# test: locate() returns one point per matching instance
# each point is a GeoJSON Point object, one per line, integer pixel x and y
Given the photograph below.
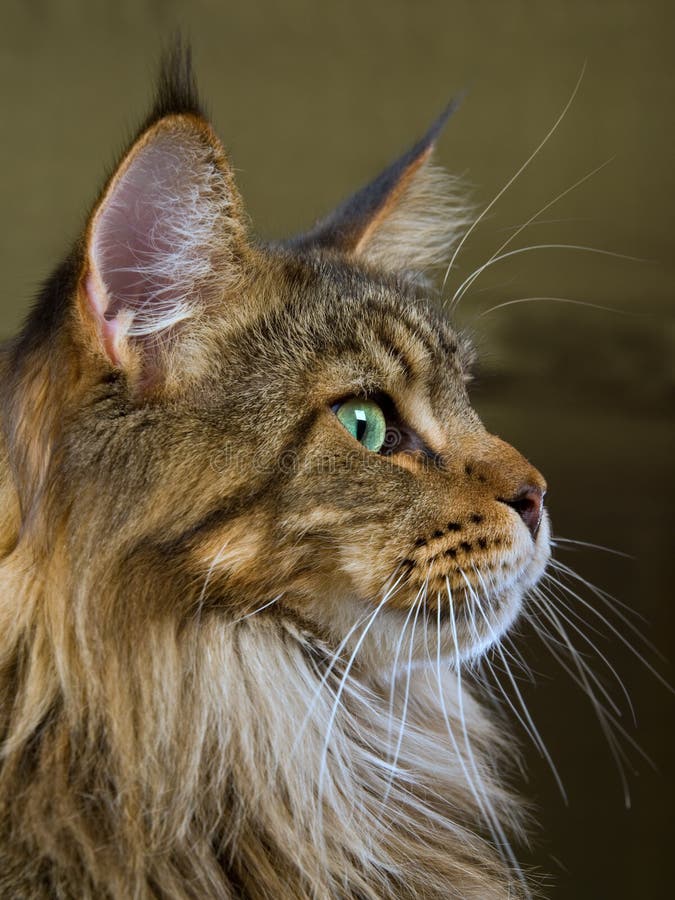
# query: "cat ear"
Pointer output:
{"type": "Point", "coordinates": [405, 219]}
{"type": "Point", "coordinates": [164, 240]}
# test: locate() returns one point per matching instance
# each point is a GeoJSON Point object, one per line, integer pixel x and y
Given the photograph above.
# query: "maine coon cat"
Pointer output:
{"type": "Point", "coordinates": [251, 528]}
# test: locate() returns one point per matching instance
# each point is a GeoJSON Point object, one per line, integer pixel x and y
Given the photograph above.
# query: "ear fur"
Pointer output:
{"type": "Point", "coordinates": [405, 219]}
{"type": "Point", "coordinates": [164, 240]}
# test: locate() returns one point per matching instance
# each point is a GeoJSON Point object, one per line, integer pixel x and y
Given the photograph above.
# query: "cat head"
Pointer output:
{"type": "Point", "coordinates": [203, 425]}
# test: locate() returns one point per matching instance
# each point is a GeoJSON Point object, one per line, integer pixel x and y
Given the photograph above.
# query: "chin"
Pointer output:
{"type": "Point", "coordinates": [505, 602]}
{"type": "Point", "coordinates": [458, 626]}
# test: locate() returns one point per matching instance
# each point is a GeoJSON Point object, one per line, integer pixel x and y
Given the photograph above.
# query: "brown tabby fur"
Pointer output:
{"type": "Point", "coordinates": [188, 534]}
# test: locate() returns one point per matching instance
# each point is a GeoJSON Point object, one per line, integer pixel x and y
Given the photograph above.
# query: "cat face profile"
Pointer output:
{"type": "Point", "coordinates": [211, 374]}
{"type": "Point", "coordinates": [202, 431]}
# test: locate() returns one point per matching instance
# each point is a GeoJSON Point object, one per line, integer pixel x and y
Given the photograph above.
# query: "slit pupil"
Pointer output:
{"type": "Point", "coordinates": [361, 427]}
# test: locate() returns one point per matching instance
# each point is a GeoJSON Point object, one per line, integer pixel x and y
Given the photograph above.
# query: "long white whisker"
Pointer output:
{"type": "Point", "coordinates": [559, 220]}
{"type": "Point", "coordinates": [259, 609]}
{"type": "Point", "coordinates": [569, 300]}
{"type": "Point", "coordinates": [511, 704]}
{"type": "Point", "coordinates": [399, 645]}
{"type": "Point", "coordinates": [466, 284]}
{"type": "Point", "coordinates": [513, 178]}
{"type": "Point", "coordinates": [563, 540]}
{"type": "Point", "coordinates": [514, 654]}
{"type": "Point", "coordinates": [487, 681]}
{"type": "Point", "coordinates": [614, 631]}
{"type": "Point", "coordinates": [611, 719]}
{"type": "Point", "coordinates": [612, 603]}
{"type": "Point", "coordinates": [547, 609]}
{"type": "Point", "coordinates": [602, 715]}
{"type": "Point", "coordinates": [367, 618]}
{"type": "Point", "coordinates": [338, 695]}
{"type": "Point", "coordinates": [404, 711]}
{"type": "Point", "coordinates": [517, 657]}
{"type": "Point", "coordinates": [545, 635]}
{"type": "Point", "coordinates": [504, 842]}
{"type": "Point", "coordinates": [561, 603]}
{"type": "Point", "coordinates": [532, 730]}
{"type": "Point", "coordinates": [535, 216]}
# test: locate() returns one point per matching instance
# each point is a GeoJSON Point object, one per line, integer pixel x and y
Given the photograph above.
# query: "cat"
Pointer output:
{"type": "Point", "coordinates": [251, 529]}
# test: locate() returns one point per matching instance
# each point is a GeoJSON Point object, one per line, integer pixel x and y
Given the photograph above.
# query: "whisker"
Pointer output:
{"type": "Point", "coordinates": [568, 300]}
{"type": "Point", "coordinates": [558, 540]}
{"type": "Point", "coordinates": [561, 220]}
{"type": "Point", "coordinates": [503, 842]}
{"type": "Point", "coordinates": [545, 635]}
{"type": "Point", "coordinates": [336, 658]}
{"type": "Point", "coordinates": [486, 681]}
{"type": "Point", "coordinates": [514, 654]}
{"type": "Point", "coordinates": [582, 248]}
{"type": "Point", "coordinates": [404, 711]}
{"type": "Point", "coordinates": [399, 645]}
{"type": "Point", "coordinates": [510, 703]}
{"type": "Point", "coordinates": [532, 731]}
{"type": "Point", "coordinates": [535, 216]}
{"type": "Point", "coordinates": [601, 714]}
{"type": "Point", "coordinates": [604, 717]}
{"type": "Point", "coordinates": [517, 658]}
{"type": "Point", "coordinates": [338, 695]}
{"type": "Point", "coordinates": [513, 178]}
{"type": "Point", "coordinates": [597, 650]}
{"type": "Point", "coordinates": [611, 602]}
{"type": "Point", "coordinates": [614, 631]}
{"type": "Point", "coordinates": [259, 609]}
{"type": "Point", "coordinates": [610, 718]}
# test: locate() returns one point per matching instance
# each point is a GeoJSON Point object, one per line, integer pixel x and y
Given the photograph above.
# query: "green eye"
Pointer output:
{"type": "Point", "coordinates": [365, 421]}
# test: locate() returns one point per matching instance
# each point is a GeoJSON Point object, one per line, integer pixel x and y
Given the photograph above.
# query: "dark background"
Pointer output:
{"type": "Point", "coordinates": [311, 99]}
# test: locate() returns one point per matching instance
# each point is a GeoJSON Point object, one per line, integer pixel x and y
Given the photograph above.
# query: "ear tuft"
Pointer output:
{"type": "Point", "coordinates": [406, 219]}
{"type": "Point", "coordinates": [176, 92]}
{"type": "Point", "coordinates": [166, 238]}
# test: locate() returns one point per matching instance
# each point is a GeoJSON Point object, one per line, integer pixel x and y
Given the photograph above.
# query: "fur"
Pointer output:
{"type": "Point", "coordinates": [232, 639]}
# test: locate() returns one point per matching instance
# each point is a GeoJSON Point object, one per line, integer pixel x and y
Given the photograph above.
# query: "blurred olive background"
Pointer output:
{"type": "Point", "coordinates": [311, 99]}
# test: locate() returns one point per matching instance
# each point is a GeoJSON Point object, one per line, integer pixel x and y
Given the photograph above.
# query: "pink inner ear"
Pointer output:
{"type": "Point", "coordinates": [152, 242]}
{"type": "Point", "coordinates": [113, 331]}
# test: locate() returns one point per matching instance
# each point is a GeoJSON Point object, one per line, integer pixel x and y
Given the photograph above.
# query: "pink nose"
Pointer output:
{"type": "Point", "coordinates": [529, 504]}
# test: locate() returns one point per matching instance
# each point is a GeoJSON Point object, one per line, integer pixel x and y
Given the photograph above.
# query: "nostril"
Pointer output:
{"type": "Point", "coordinates": [529, 504]}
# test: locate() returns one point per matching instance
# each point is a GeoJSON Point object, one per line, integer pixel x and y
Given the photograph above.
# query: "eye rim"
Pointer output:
{"type": "Point", "coordinates": [399, 436]}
